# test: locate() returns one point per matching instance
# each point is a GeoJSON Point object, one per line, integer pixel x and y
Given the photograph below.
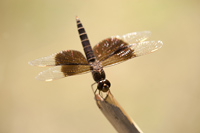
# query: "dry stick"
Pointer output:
{"type": "Point", "coordinates": [116, 115]}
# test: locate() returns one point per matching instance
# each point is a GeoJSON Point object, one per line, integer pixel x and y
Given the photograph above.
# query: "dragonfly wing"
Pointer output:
{"type": "Point", "coordinates": [67, 63]}
{"type": "Point", "coordinates": [61, 58]}
{"type": "Point", "coordinates": [118, 49]}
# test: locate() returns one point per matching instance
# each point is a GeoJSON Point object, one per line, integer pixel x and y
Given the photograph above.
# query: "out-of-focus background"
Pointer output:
{"type": "Point", "coordinates": [160, 91]}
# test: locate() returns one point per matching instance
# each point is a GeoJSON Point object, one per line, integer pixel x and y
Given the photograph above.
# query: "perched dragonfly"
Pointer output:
{"type": "Point", "coordinates": [110, 51]}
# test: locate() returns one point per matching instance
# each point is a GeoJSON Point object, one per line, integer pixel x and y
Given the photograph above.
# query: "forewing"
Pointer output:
{"type": "Point", "coordinates": [118, 49]}
{"type": "Point", "coordinates": [62, 71]}
{"type": "Point", "coordinates": [67, 63]}
{"type": "Point", "coordinates": [69, 57]}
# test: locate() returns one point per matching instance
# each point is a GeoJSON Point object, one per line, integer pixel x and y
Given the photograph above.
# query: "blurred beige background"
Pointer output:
{"type": "Point", "coordinates": [160, 91]}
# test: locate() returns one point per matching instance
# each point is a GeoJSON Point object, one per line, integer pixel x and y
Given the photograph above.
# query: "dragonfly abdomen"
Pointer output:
{"type": "Point", "coordinates": [85, 42]}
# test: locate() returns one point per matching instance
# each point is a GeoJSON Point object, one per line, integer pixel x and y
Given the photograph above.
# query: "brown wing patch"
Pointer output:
{"type": "Point", "coordinates": [70, 57]}
{"type": "Point", "coordinates": [113, 50]}
{"type": "Point", "coordinates": [69, 70]}
{"type": "Point", "coordinates": [73, 62]}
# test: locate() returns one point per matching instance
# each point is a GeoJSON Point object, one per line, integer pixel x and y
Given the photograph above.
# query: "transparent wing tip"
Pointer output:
{"type": "Point", "coordinates": [158, 45]}
{"type": "Point", "coordinates": [146, 47]}
{"type": "Point", "coordinates": [36, 62]}
{"type": "Point", "coordinates": [43, 77]}
{"type": "Point", "coordinates": [31, 63]}
{"type": "Point", "coordinates": [50, 74]}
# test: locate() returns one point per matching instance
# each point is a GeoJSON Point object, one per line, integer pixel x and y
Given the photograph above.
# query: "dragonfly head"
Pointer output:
{"type": "Point", "coordinates": [103, 85]}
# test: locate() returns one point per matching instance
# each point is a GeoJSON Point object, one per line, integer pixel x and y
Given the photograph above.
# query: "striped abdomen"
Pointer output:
{"type": "Point", "coordinates": [85, 42]}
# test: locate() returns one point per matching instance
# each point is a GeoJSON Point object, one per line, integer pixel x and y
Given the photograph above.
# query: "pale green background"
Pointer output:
{"type": "Point", "coordinates": [160, 91]}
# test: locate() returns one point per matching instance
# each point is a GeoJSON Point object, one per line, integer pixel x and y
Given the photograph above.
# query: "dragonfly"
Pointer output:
{"type": "Point", "coordinates": [108, 52]}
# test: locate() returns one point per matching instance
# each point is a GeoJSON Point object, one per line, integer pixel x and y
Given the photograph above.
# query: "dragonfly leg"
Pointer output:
{"type": "Point", "coordinates": [93, 88]}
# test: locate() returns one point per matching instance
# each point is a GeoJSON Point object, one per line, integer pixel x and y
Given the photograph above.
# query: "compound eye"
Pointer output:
{"type": "Point", "coordinates": [107, 83]}
{"type": "Point", "coordinates": [100, 85]}
{"type": "Point", "coordinates": [106, 86]}
{"type": "Point", "coordinates": [103, 85]}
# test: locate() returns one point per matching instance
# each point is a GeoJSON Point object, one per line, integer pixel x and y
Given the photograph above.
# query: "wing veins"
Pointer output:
{"type": "Point", "coordinates": [71, 64]}
{"type": "Point", "coordinates": [118, 50]}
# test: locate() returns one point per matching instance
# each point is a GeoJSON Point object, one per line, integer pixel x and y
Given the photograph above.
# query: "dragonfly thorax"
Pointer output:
{"type": "Point", "coordinates": [97, 71]}
{"type": "Point", "coordinates": [99, 76]}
